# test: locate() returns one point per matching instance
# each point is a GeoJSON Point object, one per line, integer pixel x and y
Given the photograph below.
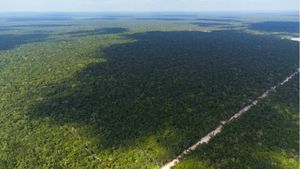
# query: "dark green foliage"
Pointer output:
{"type": "Point", "coordinates": [177, 15]}
{"type": "Point", "coordinates": [266, 137]}
{"type": "Point", "coordinates": [219, 20]}
{"type": "Point", "coordinates": [109, 18]}
{"type": "Point", "coordinates": [291, 27]}
{"type": "Point", "coordinates": [143, 83]}
{"type": "Point", "coordinates": [9, 41]}
{"type": "Point", "coordinates": [40, 25]}
{"type": "Point", "coordinates": [209, 24]}
{"type": "Point", "coordinates": [37, 19]}
{"type": "Point", "coordinates": [3, 28]}
{"type": "Point", "coordinates": [98, 31]}
{"type": "Point", "coordinates": [161, 19]}
{"type": "Point", "coordinates": [169, 80]}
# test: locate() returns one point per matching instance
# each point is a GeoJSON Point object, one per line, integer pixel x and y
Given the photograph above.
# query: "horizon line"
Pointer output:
{"type": "Point", "coordinates": [146, 11]}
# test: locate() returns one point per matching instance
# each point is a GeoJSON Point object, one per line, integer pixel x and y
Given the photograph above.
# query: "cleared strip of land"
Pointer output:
{"type": "Point", "coordinates": [217, 130]}
{"type": "Point", "coordinates": [296, 39]}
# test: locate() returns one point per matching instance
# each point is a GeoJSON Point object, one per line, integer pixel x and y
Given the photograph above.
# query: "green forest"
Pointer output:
{"type": "Point", "coordinates": [134, 91]}
{"type": "Point", "coordinates": [266, 137]}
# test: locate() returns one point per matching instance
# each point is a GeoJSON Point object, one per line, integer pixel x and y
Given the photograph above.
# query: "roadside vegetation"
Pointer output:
{"type": "Point", "coordinates": [266, 137]}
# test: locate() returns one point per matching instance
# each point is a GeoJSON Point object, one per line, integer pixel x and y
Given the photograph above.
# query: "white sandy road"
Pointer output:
{"type": "Point", "coordinates": [296, 39]}
{"type": "Point", "coordinates": [217, 130]}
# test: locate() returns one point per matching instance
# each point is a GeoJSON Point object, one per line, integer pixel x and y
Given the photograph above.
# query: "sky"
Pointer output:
{"type": "Point", "coordinates": [146, 5]}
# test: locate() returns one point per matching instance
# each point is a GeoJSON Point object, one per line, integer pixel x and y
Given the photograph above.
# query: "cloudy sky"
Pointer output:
{"type": "Point", "coordinates": [148, 5]}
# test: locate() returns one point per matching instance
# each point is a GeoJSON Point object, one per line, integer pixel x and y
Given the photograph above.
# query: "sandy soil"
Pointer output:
{"type": "Point", "coordinates": [296, 39]}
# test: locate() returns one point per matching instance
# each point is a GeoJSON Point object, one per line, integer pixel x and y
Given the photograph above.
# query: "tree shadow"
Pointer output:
{"type": "Point", "coordinates": [10, 41]}
{"type": "Point", "coordinates": [276, 26]}
{"type": "Point", "coordinates": [184, 81]}
{"type": "Point", "coordinates": [219, 20]}
{"type": "Point", "coordinates": [38, 18]}
{"type": "Point", "coordinates": [101, 31]}
{"type": "Point", "coordinates": [161, 19]}
{"type": "Point", "coordinates": [210, 24]}
{"type": "Point", "coordinates": [40, 25]}
{"type": "Point", "coordinates": [4, 28]}
{"type": "Point", "coordinates": [266, 137]}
